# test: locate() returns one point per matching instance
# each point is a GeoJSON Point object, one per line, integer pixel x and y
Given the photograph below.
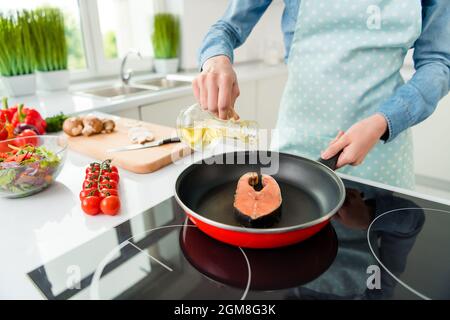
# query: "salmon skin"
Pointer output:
{"type": "Point", "coordinates": [257, 201]}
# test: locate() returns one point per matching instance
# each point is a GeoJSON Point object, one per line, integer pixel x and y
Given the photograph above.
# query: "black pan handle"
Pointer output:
{"type": "Point", "coordinates": [332, 162]}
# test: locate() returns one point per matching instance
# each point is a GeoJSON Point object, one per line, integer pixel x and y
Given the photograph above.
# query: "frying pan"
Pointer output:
{"type": "Point", "coordinates": [311, 194]}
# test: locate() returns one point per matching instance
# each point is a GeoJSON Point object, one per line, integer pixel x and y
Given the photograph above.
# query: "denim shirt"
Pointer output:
{"type": "Point", "coordinates": [412, 103]}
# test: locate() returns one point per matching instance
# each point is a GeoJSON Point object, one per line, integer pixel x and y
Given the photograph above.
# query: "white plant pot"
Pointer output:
{"type": "Point", "coordinates": [17, 86]}
{"type": "Point", "coordinates": [166, 66]}
{"type": "Point", "coordinates": [52, 80]}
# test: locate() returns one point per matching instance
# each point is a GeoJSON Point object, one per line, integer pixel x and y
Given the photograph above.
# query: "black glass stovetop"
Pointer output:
{"type": "Point", "coordinates": [381, 245]}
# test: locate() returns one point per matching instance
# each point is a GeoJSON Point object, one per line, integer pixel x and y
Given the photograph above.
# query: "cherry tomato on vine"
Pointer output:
{"type": "Point", "coordinates": [110, 205]}
{"type": "Point", "coordinates": [91, 177]}
{"type": "Point", "coordinates": [89, 193]}
{"type": "Point", "coordinates": [108, 192]}
{"type": "Point", "coordinates": [112, 169]}
{"type": "Point", "coordinates": [100, 194]}
{"type": "Point", "coordinates": [91, 205]}
{"type": "Point", "coordinates": [89, 184]}
{"type": "Point", "coordinates": [111, 176]}
{"type": "Point", "coordinates": [93, 168]}
{"type": "Point", "coordinates": [105, 184]}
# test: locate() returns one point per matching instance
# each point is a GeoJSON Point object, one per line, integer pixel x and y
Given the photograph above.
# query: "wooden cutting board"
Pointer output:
{"type": "Point", "coordinates": [138, 161]}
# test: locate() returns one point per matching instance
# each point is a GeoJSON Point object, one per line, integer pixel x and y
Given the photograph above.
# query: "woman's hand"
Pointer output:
{"type": "Point", "coordinates": [357, 141]}
{"type": "Point", "coordinates": [216, 87]}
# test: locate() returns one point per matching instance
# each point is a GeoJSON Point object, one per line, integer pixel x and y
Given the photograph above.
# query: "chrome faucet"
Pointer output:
{"type": "Point", "coordinates": [125, 75]}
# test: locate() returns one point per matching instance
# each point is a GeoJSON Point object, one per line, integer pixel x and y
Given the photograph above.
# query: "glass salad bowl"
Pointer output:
{"type": "Point", "coordinates": [29, 165]}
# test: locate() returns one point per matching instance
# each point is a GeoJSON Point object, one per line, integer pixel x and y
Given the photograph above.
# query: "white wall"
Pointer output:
{"type": "Point", "coordinates": [432, 145]}
{"type": "Point", "coordinates": [199, 15]}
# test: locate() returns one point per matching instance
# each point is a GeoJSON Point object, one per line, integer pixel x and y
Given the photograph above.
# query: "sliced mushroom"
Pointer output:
{"type": "Point", "coordinates": [140, 135]}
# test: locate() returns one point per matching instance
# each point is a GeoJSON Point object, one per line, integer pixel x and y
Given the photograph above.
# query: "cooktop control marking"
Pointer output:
{"type": "Point", "coordinates": [150, 256]}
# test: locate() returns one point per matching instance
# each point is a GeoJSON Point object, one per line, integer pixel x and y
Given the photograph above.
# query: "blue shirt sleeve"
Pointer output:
{"type": "Point", "coordinates": [417, 99]}
{"type": "Point", "coordinates": [232, 29]}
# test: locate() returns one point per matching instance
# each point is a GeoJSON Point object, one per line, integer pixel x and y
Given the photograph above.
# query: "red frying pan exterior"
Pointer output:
{"type": "Point", "coordinates": [257, 240]}
{"type": "Point", "coordinates": [266, 237]}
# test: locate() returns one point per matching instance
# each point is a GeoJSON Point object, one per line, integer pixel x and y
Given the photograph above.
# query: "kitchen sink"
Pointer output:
{"type": "Point", "coordinates": [137, 87]}
{"type": "Point", "coordinates": [162, 83]}
{"type": "Point", "coordinates": [115, 92]}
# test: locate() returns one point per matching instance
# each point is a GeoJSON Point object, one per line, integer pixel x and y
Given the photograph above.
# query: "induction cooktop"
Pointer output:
{"type": "Point", "coordinates": [381, 245]}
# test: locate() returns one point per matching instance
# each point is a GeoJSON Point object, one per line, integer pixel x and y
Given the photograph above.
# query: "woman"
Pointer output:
{"type": "Point", "coordinates": [344, 58]}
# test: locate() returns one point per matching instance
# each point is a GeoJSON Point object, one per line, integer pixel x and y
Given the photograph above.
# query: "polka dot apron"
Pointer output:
{"type": "Point", "coordinates": [344, 62]}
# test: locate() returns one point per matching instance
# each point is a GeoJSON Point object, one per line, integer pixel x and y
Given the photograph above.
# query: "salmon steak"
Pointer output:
{"type": "Point", "coordinates": [257, 201]}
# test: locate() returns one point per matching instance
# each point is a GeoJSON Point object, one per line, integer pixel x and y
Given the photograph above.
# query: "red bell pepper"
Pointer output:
{"type": "Point", "coordinates": [3, 132]}
{"type": "Point", "coordinates": [6, 116]}
{"type": "Point", "coordinates": [6, 113]}
{"type": "Point", "coordinates": [29, 116]}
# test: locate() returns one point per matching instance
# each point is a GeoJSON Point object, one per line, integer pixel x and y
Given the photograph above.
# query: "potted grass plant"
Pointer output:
{"type": "Point", "coordinates": [166, 42]}
{"type": "Point", "coordinates": [51, 49]}
{"type": "Point", "coordinates": [17, 58]}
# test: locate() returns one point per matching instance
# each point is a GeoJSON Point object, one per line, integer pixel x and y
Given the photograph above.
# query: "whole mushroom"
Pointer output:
{"type": "Point", "coordinates": [92, 125]}
{"type": "Point", "coordinates": [108, 125]}
{"type": "Point", "coordinates": [73, 126]}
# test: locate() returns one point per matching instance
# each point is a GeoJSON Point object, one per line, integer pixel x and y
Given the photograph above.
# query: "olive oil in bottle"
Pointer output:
{"type": "Point", "coordinates": [202, 130]}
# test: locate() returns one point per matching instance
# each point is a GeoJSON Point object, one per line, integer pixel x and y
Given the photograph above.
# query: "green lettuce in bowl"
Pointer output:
{"type": "Point", "coordinates": [26, 170]}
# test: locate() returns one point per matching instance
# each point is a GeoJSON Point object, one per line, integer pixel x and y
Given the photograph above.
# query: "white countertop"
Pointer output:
{"type": "Point", "coordinates": [39, 228]}
{"type": "Point", "coordinates": [70, 102]}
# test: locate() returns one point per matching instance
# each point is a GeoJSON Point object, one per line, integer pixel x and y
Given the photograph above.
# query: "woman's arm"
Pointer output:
{"type": "Point", "coordinates": [216, 87]}
{"type": "Point", "coordinates": [232, 29]}
{"type": "Point", "coordinates": [416, 100]}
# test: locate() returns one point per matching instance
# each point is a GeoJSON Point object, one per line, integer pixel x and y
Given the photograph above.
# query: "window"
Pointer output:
{"type": "Point", "coordinates": [122, 25]}
{"type": "Point", "coordinates": [125, 25]}
{"type": "Point", "coordinates": [97, 42]}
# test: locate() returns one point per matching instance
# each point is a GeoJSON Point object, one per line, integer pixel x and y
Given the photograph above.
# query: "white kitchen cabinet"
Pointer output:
{"type": "Point", "coordinates": [269, 92]}
{"type": "Point", "coordinates": [132, 113]}
{"type": "Point", "coordinates": [166, 112]}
